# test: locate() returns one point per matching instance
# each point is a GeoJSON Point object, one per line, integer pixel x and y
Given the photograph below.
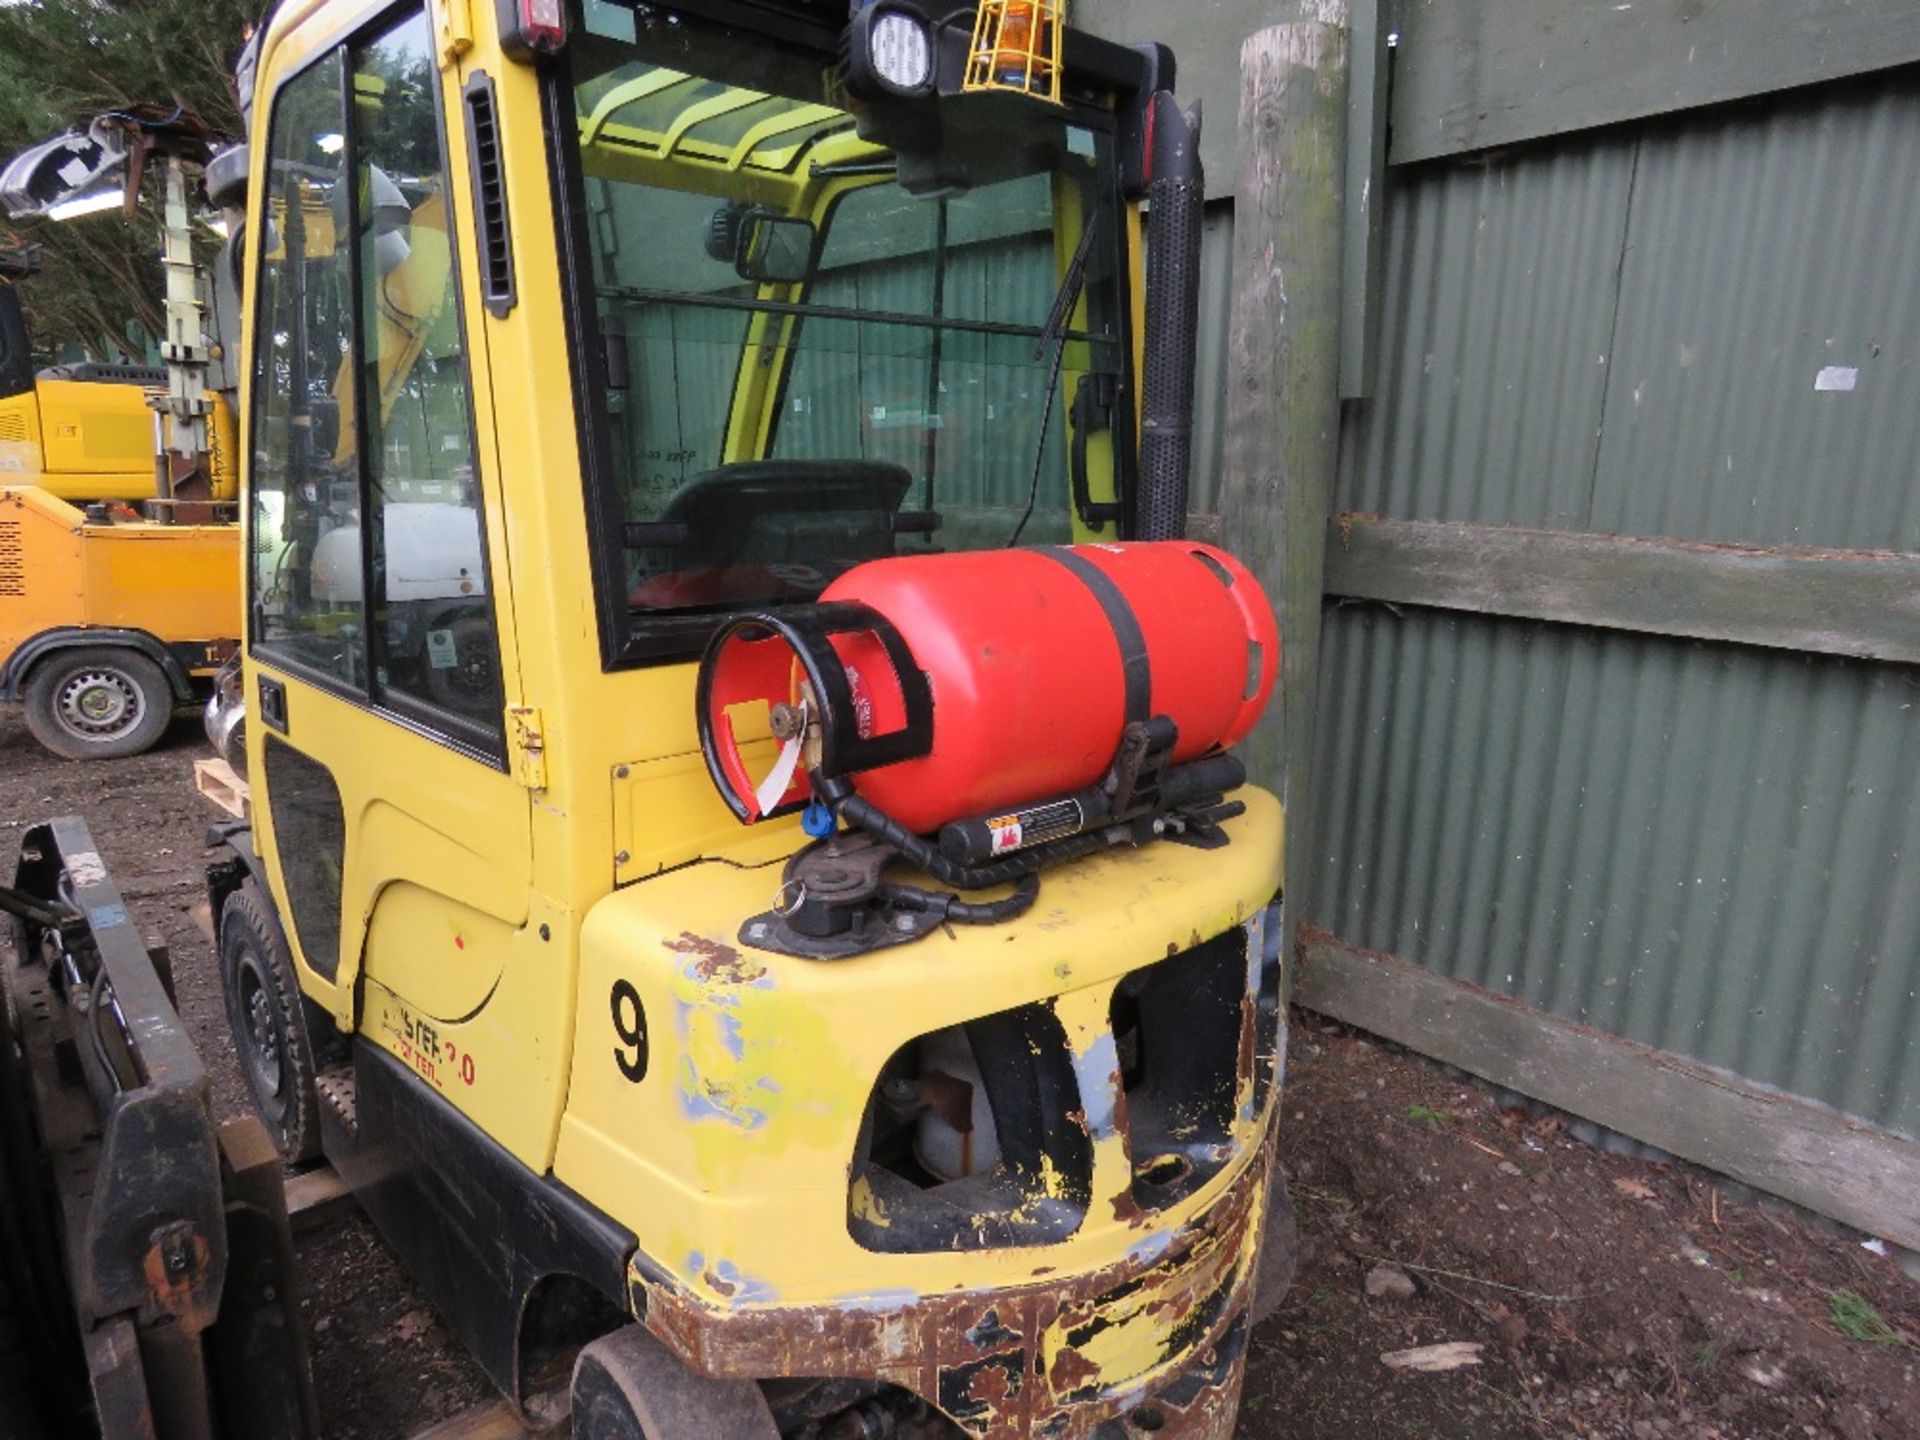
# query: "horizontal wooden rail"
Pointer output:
{"type": "Point", "coordinates": [1867, 1177]}
{"type": "Point", "coordinates": [1860, 603]}
{"type": "Point", "coordinates": [1478, 73]}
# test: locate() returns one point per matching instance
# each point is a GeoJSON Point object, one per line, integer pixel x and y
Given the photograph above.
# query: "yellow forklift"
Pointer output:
{"type": "Point", "coordinates": [119, 542]}
{"type": "Point", "coordinates": [748, 879]}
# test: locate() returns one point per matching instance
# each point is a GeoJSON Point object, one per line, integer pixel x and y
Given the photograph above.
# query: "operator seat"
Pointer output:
{"type": "Point", "coordinates": [759, 528]}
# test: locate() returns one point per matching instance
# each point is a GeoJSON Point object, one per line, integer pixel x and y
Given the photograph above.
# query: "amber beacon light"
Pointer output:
{"type": "Point", "coordinates": [1016, 48]}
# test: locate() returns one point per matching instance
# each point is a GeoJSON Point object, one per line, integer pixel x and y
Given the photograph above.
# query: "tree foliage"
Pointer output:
{"type": "Point", "coordinates": [63, 62]}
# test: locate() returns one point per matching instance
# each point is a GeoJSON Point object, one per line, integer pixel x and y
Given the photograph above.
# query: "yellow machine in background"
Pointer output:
{"type": "Point", "coordinates": [86, 433]}
{"type": "Point", "coordinates": [740, 302]}
{"type": "Point", "coordinates": [111, 616]}
{"type": "Point", "coordinates": [106, 627]}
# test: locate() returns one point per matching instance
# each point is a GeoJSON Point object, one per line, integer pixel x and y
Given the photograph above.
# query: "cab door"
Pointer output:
{"type": "Point", "coordinates": [395, 833]}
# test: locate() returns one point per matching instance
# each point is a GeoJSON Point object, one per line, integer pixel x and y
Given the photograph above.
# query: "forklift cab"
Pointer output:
{"type": "Point", "coordinates": [724, 300]}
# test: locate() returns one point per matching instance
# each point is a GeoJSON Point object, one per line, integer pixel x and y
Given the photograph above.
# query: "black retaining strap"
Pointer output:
{"type": "Point", "coordinates": [1138, 669]}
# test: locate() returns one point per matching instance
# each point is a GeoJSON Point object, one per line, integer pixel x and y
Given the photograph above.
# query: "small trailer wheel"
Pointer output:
{"type": "Point", "coordinates": [97, 702]}
{"type": "Point", "coordinates": [628, 1386]}
{"type": "Point", "coordinates": [268, 1022]}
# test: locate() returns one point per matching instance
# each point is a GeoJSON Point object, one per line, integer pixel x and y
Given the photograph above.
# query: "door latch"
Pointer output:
{"type": "Point", "coordinates": [527, 741]}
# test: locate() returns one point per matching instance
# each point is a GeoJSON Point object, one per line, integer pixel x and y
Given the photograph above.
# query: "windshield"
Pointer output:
{"type": "Point", "coordinates": [808, 354]}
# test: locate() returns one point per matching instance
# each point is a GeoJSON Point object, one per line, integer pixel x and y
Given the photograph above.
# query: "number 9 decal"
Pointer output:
{"type": "Point", "coordinates": [630, 1024]}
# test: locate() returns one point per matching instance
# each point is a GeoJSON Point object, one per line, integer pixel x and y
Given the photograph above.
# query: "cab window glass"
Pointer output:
{"type": "Point", "coordinates": [814, 351]}
{"type": "Point", "coordinates": [432, 627]}
{"type": "Point", "coordinates": [369, 547]}
{"type": "Point", "coordinates": [959, 409]}
{"type": "Point", "coordinates": [307, 592]}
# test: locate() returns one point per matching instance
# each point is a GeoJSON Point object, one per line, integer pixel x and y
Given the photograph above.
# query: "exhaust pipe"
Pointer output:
{"type": "Point", "coordinates": [1177, 194]}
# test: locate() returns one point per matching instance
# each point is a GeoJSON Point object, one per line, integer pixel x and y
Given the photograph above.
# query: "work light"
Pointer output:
{"type": "Point", "coordinates": [902, 50]}
{"type": "Point", "coordinates": [890, 52]}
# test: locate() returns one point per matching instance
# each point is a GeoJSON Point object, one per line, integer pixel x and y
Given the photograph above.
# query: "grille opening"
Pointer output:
{"type": "Point", "coordinates": [1177, 1026]}
{"type": "Point", "coordinates": [973, 1139]}
{"type": "Point", "coordinates": [489, 196]}
{"type": "Point", "coordinates": [13, 560]}
{"type": "Point", "coordinates": [1163, 1170]}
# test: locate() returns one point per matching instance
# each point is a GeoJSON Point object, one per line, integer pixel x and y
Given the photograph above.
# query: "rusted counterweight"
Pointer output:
{"type": "Point", "coordinates": [1086, 1263]}
{"type": "Point", "coordinates": [1060, 1358]}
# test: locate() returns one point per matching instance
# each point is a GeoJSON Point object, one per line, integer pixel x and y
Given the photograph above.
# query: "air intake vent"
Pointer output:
{"type": "Point", "coordinates": [13, 426]}
{"type": "Point", "coordinates": [13, 560]}
{"type": "Point", "coordinates": [489, 195]}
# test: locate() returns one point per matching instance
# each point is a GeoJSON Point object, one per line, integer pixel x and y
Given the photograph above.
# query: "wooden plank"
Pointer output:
{"type": "Point", "coordinates": [1816, 1157]}
{"type": "Point", "coordinates": [1471, 74]}
{"type": "Point", "coordinates": [1860, 603]}
{"type": "Point", "coordinates": [316, 1198]}
{"type": "Point", "coordinates": [1363, 237]}
{"type": "Point", "coordinates": [490, 1420]}
{"type": "Point", "coordinates": [215, 779]}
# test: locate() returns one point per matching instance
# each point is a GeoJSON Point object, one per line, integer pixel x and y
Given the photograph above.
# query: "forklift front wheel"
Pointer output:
{"type": "Point", "coordinates": [269, 1026]}
{"type": "Point", "coordinates": [628, 1386]}
{"type": "Point", "coordinates": [97, 702]}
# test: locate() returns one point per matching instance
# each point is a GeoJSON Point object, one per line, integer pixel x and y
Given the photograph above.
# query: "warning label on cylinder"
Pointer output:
{"type": "Point", "coordinates": [1007, 833]}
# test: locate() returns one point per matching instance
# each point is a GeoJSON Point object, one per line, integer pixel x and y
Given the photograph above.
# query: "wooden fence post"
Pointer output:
{"type": "Point", "coordinates": [1283, 407]}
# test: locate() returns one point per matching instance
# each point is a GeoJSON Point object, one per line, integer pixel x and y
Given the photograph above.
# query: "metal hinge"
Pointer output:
{"type": "Point", "coordinates": [527, 742]}
{"type": "Point", "coordinates": [456, 30]}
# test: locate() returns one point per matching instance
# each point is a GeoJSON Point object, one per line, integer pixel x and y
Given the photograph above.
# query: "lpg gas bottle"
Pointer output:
{"type": "Point", "coordinates": [948, 686]}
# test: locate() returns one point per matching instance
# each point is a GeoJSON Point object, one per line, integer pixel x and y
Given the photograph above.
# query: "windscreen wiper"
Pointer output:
{"type": "Point", "coordinates": [1054, 333]}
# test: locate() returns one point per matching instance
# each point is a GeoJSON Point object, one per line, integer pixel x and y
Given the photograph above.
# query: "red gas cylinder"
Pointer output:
{"type": "Point", "coordinates": [994, 679]}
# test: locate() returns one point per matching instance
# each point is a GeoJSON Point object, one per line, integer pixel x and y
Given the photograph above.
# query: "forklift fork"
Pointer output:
{"type": "Point", "coordinates": [153, 1242]}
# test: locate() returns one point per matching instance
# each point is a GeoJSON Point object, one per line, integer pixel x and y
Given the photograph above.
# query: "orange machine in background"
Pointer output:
{"type": "Point", "coordinates": [105, 627]}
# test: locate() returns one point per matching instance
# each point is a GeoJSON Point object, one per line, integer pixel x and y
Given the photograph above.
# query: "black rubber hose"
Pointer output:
{"type": "Point", "coordinates": [965, 912]}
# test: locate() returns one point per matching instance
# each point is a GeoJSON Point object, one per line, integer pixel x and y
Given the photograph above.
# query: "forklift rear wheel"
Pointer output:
{"type": "Point", "coordinates": [98, 702]}
{"type": "Point", "coordinates": [269, 1026]}
{"type": "Point", "coordinates": [628, 1386]}
{"type": "Point", "coordinates": [1279, 1251]}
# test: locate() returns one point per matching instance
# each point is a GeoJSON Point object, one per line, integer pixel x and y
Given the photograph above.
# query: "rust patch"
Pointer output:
{"type": "Point", "coordinates": [1012, 1364]}
{"type": "Point", "coordinates": [1072, 1372]}
{"type": "Point", "coordinates": [721, 964]}
{"type": "Point", "coordinates": [1127, 1210]}
{"type": "Point", "coordinates": [176, 1267]}
{"type": "Point", "coordinates": [1248, 1057]}
{"type": "Point", "coordinates": [991, 1386]}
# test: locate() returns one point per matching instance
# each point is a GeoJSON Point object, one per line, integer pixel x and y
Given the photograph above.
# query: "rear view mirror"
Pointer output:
{"type": "Point", "coordinates": [774, 249]}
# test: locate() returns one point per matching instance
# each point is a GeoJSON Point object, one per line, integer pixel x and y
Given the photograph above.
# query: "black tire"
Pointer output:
{"type": "Point", "coordinates": [269, 1025]}
{"type": "Point", "coordinates": [97, 702]}
{"type": "Point", "coordinates": [469, 685]}
{"type": "Point", "coordinates": [1279, 1251]}
{"type": "Point", "coordinates": [628, 1386]}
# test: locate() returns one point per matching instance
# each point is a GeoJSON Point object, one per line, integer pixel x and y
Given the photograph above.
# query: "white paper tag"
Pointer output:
{"type": "Point", "coordinates": [775, 785]}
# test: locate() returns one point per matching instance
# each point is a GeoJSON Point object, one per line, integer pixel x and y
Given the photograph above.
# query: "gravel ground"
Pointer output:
{"type": "Point", "coordinates": [1606, 1297]}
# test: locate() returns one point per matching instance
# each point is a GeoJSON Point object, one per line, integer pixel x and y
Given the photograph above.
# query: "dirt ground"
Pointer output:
{"type": "Point", "coordinates": [1608, 1297]}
